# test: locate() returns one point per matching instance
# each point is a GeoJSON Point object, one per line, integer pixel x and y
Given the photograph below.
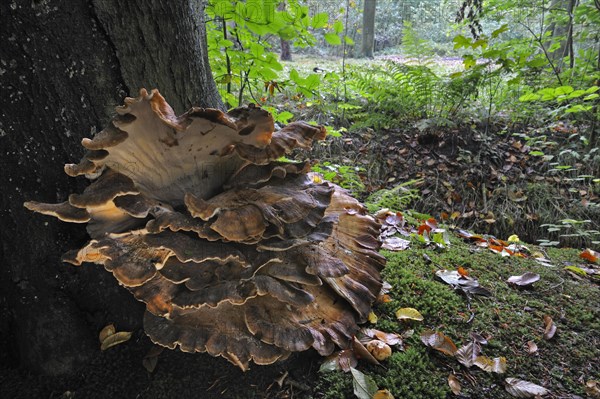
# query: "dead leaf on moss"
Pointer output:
{"type": "Point", "coordinates": [590, 255]}
{"type": "Point", "coordinates": [592, 389]}
{"type": "Point", "coordinates": [495, 365]}
{"type": "Point", "coordinates": [395, 244]}
{"type": "Point", "coordinates": [115, 339]}
{"type": "Point", "coordinates": [409, 313]}
{"type": "Point", "coordinates": [364, 386]}
{"type": "Point", "coordinates": [524, 389]}
{"type": "Point", "coordinates": [531, 347]}
{"type": "Point", "coordinates": [439, 342]}
{"type": "Point", "coordinates": [392, 339]}
{"type": "Point", "coordinates": [467, 354]}
{"type": "Point", "coordinates": [524, 280]}
{"type": "Point", "coordinates": [373, 318]}
{"type": "Point", "coordinates": [454, 384]}
{"type": "Point", "coordinates": [550, 327]}
{"type": "Point", "coordinates": [468, 285]}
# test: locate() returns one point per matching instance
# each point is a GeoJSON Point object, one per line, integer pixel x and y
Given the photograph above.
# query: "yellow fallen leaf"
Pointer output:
{"type": "Point", "coordinates": [115, 339]}
{"type": "Point", "coordinates": [106, 332]}
{"type": "Point", "coordinates": [495, 365]}
{"type": "Point", "coordinates": [383, 394]}
{"type": "Point", "coordinates": [513, 238]}
{"type": "Point", "coordinates": [408, 313]}
{"type": "Point", "coordinates": [373, 318]}
{"type": "Point", "coordinates": [454, 384]}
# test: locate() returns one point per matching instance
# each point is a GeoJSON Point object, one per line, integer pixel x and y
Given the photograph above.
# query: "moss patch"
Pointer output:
{"type": "Point", "coordinates": [510, 318]}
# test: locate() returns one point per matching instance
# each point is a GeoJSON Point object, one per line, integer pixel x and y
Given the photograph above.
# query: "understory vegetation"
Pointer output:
{"type": "Point", "coordinates": [478, 115]}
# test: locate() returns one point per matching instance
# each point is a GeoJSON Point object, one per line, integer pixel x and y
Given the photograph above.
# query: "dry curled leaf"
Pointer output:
{"type": "Point", "coordinates": [495, 365]}
{"type": "Point", "coordinates": [550, 327]}
{"type": "Point", "coordinates": [409, 313]}
{"type": "Point", "coordinates": [531, 347]}
{"type": "Point", "coordinates": [395, 244]}
{"type": "Point", "coordinates": [524, 280]}
{"type": "Point", "coordinates": [467, 354]}
{"type": "Point", "coordinates": [115, 339]}
{"type": "Point", "coordinates": [389, 338]}
{"type": "Point", "coordinates": [524, 389]}
{"type": "Point", "coordinates": [454, 384]}
{"type": "Point", "coordinates": [106, 332]}
{"type": "Point", "coordinates": [439, 342]}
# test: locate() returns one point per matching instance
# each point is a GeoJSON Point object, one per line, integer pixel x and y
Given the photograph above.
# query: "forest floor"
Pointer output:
{"type": "Point", "coordinates": [490, 184]}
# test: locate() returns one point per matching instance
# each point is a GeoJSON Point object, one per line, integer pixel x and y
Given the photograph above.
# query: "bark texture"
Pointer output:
{"type": "Point", "coordinates": [63, 68]}
{"type": "Point", "coordinates": [368, 28]}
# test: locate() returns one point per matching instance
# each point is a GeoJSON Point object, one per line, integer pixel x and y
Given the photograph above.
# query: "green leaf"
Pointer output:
{"type": "Point", "coordinates": [578, 108]}
{"type": "Point", "coordinates": [349, 40]}
{"type": "Point", "coordinates": [469, 61]}
{"type": "Point", "coordinates": [364, 386]}
{"type": "Point", "coordinates": [256, 50]}
{"type": "Point", "coordinates": [460, 41]}
{"type": "Point", "coordinates": [284, 117]}
{"type": "Point", "coordinates": [536, 153]}
{"type": "Point", "coordinates": [576, 93]}
{"type": "Point", "coordinates": [338, 26]}
{"type": "Point", "coordinates": [563, 90]}
{"type": "Point", "coordinates": [592, 89]}
{"type": "Point", "coordinates": [498, 31]}
{"type": "Point", "coordinates": [479, 43]}
{"type": "Point", "coordinates": [536, 63]}
{"type": "Point", "coordinates": [529, 97]}
{"type": "Point", "coordinates": [591, 96]}
{"type": "Point", "coordinates": [319, 20]}
{"type": "Point", "coordinates": [333, 39]}
{"type": "Point", "coordinates": [226, 43]}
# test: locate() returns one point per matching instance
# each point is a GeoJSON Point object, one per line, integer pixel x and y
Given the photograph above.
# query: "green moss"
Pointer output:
{"type": "Point", "coordinates": [510, 318]}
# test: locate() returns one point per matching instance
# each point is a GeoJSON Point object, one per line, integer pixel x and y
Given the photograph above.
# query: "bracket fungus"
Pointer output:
{"type": "Point", "coordinates": [233, 252]}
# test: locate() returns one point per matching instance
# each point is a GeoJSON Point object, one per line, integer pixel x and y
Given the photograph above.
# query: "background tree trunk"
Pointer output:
{"type": "Point", "coordinates": [368, 28]}
{"type": "Point", "coordinates": [286, 50]}
{"type": "Point", "coordinates": [63, 68]}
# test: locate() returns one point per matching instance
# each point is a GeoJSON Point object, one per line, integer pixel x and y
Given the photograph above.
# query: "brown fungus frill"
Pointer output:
{"type": "Point", "coordinates": [233, 252]}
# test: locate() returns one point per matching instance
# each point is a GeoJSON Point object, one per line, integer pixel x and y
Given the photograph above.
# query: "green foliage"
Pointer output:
{"type": "Point", "coordinates": [396, 199]}
{"type": "Point", "coordinates": [240, 42]}
{"type": "Point", "coordinates": [345, 176]}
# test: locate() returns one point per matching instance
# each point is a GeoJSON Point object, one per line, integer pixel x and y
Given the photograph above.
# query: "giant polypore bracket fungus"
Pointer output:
{"type": "Point", "coordinates": [233, 252]}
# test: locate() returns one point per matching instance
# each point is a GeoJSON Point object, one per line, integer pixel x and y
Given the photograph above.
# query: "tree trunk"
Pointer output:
{"type": "Point", "coordinates": [563, 30]}
{"type": "Point", "coordinates": [286, 51]}
{"type": "Point", "coordinates": [368, 28]}
{"type": "Point", "coordinates": [63, 68]}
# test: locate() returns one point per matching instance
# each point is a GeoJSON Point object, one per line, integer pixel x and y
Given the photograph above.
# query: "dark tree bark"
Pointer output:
{"type": "Point", "coordinates": [63, 68]}
{"type": "Point", "coordinates": [286, 51]}
{"type": "Point", "coordinates": [368, 39]}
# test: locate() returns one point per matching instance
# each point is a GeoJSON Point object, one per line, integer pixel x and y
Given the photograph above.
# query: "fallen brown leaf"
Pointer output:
{"type": "Point", "coordinates": [439, 342]}
{"type": "Point", "coordinates": [454, 384]}
{"type": "Point", "coordinates": [524, 389]}
{"type": "Point", "coordinates": [550, 327]}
